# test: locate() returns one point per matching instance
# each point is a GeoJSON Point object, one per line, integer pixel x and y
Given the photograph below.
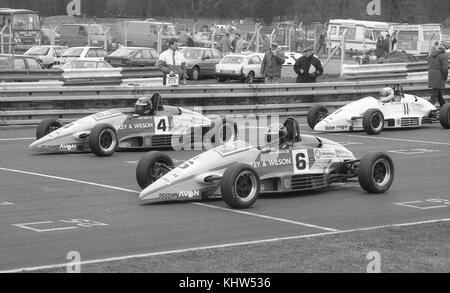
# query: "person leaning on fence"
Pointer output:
{"type": "Point", "coordinates": [272, 64]}
{"type": "Point", "coordinates": [308, 67]}
{"type": "Point", "coordinates": [172, 62]}
{"type": "Point", "coordinates": [437, 74]}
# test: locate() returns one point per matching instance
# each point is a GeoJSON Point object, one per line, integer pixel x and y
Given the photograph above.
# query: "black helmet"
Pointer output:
{"type": "Point", "coordinates": [276, 134]}
{"type": "Point", "coordinates": [143, 106]}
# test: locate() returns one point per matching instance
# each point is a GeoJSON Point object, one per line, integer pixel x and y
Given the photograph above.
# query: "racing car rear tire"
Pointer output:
{"type": "Point", "coordinates": [376, 173]}
{"type": "Point", "coordinates": [240, 186]}
{"type": "Point", "coordinates": [444, 116]}
{"type": "Point", "coordinates": [46, 127]}
{"type": "Point", "coordinates": [146, 173]}
{"type": "Point", "coordinates": [373, 121]}
{"type": "Point", "coordinates": [316, 114]}
{"type": "Point", "coordinates": [103, 140]}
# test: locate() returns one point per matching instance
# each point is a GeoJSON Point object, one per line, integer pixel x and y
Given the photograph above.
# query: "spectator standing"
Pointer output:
{"type": "Point", "coordinates": [437, 74]}
{"type": "Point", "coordinates": [238, 44]}
{"type": "Point", "coordinates": [172, 62]}
{"type": "Point", "coordinates": [272, 64]}
{"type": "Point", "coordinates": [308, 67]}
{"type": "Point", "coordinates": [226, 44]}
{"type": "Point", "coordinates": [190, 40]}
{"type": "Point", "coordinates": [322, 43]}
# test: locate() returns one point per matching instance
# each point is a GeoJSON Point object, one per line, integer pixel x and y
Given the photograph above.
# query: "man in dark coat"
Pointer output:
{"type": "Point", "coordinates": [308, 67]}
{"type": "Point", "coordinates": [272, 64]}
{"type": "Point", "coordinates": [437, 74]}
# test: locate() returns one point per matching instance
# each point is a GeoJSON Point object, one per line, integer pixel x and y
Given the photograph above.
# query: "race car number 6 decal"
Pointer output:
{"type": "Point", "coordinates": [301, 161]}
{"type": "Point", "coordinates": [162, 125]}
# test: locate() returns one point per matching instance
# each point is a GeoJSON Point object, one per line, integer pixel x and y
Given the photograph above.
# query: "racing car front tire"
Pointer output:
{"type": "Point", "coordinates": [46, 127]}
{"type": "Point", "coordinates": [103, 140]}
{"type": "Point", "coordinates": [151, 167]}
{"type": "Point", "coordinates": [376, 173]}
{"type": "Point", "coordinates": [444, 116]}
{"type": "Point", "coordinates": [240, 186]}
{"type": "Point", "coordinates": [373, 121]}
{"type": "Point", "coordinates": [316, 114]}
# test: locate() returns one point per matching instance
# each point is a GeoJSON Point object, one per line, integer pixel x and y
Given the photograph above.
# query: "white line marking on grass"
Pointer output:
{"type": "Point", "coordinates": [18, 138]}
{"type": "Point", "coordinates": [267, 217]}
{"type": "Point", "coordinates": [69, 180]}
{"type": "Point", "coordinates": [220, 246]}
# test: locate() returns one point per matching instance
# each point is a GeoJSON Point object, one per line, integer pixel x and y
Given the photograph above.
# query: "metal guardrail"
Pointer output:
{"type": "Point", "coordinates": [382, 71]}
{"type": "Point", "coordinates": [29, 105]}
{"type": "Point", "coordinates": [80, 77]}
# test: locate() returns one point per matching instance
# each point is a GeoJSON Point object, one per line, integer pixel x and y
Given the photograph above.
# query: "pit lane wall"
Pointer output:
{"type": "Point", "coordinates": [28, 105]}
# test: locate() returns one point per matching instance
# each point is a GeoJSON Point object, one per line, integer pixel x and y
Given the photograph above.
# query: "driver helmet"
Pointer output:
{"type": "Point", "coordinates": [387, 94]}
{"type": "Point", "coordinates": [276, 134]}
{"type": "Point", "coordinates": [143, 106]}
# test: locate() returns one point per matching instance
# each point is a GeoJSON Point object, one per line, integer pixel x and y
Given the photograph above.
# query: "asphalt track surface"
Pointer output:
{"type": "Point", "coordinates": [42, 195]}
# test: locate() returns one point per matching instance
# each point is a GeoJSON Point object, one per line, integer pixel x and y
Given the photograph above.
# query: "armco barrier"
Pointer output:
{"type": "Point", "coordinates": [29, 105]}
{"type": "Point", "coordinates": [382, 71]}
{"type": "Point", "coordinates": [81, 77]}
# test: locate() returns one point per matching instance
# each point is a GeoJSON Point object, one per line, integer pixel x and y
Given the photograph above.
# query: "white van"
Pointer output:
{"type": "Point", "coordinates": [361, 35]}
{"type": "Point", "coordinates": [416, 39]}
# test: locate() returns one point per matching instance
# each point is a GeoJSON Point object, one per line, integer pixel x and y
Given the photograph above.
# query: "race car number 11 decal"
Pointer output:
{"type": "Point", "coordinates": [162, 125]}
{"type": "Point", "coordinates": [301, 161]}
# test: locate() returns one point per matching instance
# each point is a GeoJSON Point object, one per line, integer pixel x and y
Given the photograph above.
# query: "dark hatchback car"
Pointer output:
{"type": "Point", "coordinates": [19, 62]}
{"type": "Point", "coordinates": [133, 57]}
{"type": "Point", "coordinates": [201, 62]}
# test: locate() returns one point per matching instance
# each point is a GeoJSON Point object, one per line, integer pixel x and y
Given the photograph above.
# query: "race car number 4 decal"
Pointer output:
{"type": "Point", "coordinates": [301, 161]}
{"type": "Point", "coordinates": [162, 125]}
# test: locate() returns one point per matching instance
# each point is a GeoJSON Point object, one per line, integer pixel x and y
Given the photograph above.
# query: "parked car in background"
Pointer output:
{"type": "Point", "coordinates": [19, 62]}
{"type": "Point", "coordinates": [201, 62]}
{"type": "Point", "coordinates": [86, 64]}
{"type": "Point", "coordinates": [245, 67]}
{"type": "Point", "coordinates": [93, 53]}
{"type": "Point", "coordinates": [47, 55]}
{"type": "Point", "coordinates": [133, 57]}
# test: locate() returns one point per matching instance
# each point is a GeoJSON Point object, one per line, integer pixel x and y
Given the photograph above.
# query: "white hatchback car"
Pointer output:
{"type": "Point", "coordinates": [244, 66]}
{"type": "Point", "coordinates": [87, 53]}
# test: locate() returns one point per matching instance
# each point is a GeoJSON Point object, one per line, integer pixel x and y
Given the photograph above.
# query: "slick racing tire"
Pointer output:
{"type": "Point", "coordinates": [224, 132]}
{"type": "Point", "coordinates": [316, 114]}
{"type": "Point", "coordinates": [151, 167]}
{"type": "Point", "coordinates": [46, 127]}
{"type": "Point", "coordinates": [240, 186]}
{"type": "Point", "coordinates": [376, 173]}
{"type": "Point", "coordinates": [373, 121]}
{"type": "Point", "coordinates": [103, 140]}
{"type": "Point", "coordinates": [444, 116]}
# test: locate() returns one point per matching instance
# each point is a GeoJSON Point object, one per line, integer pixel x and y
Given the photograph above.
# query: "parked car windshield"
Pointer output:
{"type": "Point", "coordinates": [4, 61]}
{"type": "Point", "coordinates": [123, 52]}
{"type": "Point", "coordinates": [37, 51]}
{"type": "Point", "coordinates": [232, 60]}
{"type": "Point", "coordinates": [73, 52]}
{"type": "Point", "coordinates": [81, 64]}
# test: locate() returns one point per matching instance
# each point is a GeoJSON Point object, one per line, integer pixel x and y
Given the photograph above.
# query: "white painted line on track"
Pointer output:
{"type": "Point", "coordinates": [17, 138]}
{"type": "Point", "coordinates": [380, 138]}
{"type": "Point", "coordinates": [267, 217]}
{"type": "Point", "coordinates": [199, 204]}
{"type": "Point", "coordinates": [220, 246]}
{"type": "Point", "coordinates": [69, 180]}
